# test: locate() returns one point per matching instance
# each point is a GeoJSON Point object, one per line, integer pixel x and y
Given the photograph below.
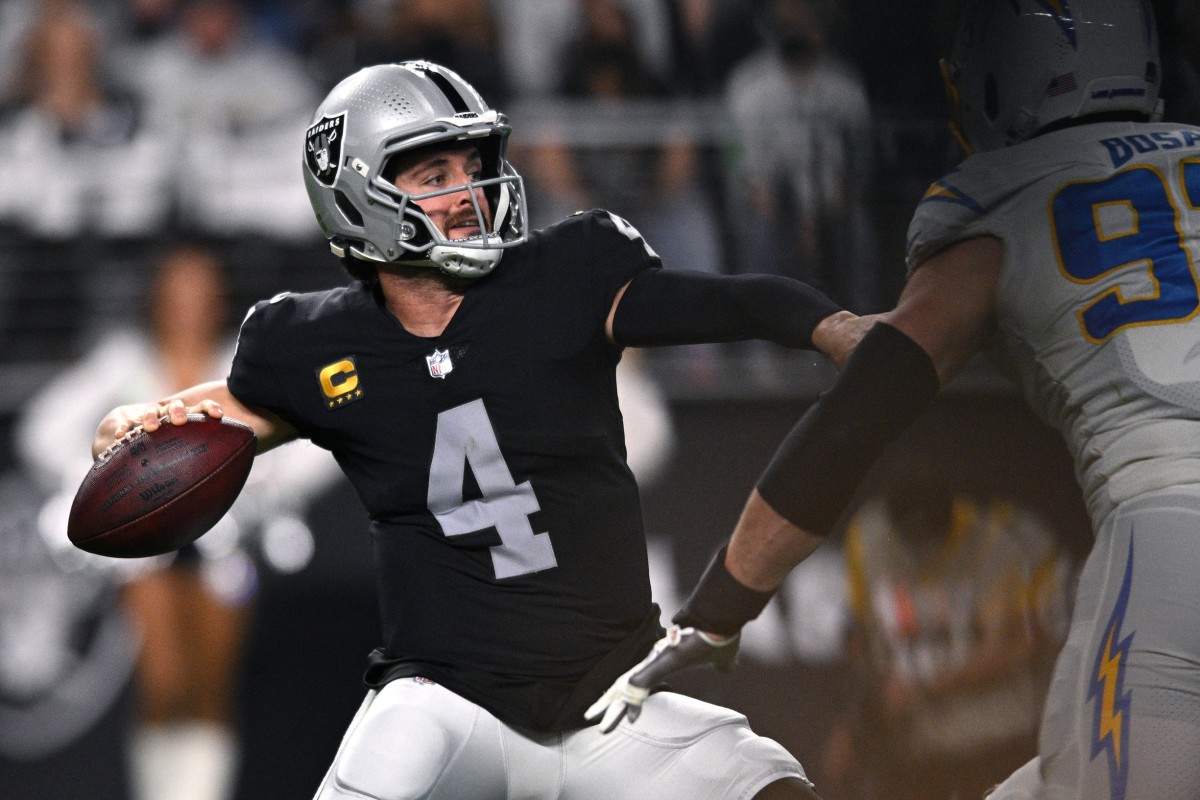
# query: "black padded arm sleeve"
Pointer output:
{"type": "Point", "coordinates": [668, 307]}
{"type": "Point", "coordinates": [719, 603]}
{"type": "Point", "coordinates": [886, 384]}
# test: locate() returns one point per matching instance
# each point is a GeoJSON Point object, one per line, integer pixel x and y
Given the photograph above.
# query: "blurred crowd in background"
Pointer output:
{"type": "Point", "coordinates": [737, 135]}
{"type": "Point", "coordinates": [789, 136]}
{"type": "Point", "coordinates": [150, 190]}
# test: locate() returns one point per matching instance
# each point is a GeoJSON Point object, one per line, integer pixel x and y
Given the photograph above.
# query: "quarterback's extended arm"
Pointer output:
{"type": "Point", "coordinates": [673, 307]}
{"type": "Point", "coordinates": [942, 319]}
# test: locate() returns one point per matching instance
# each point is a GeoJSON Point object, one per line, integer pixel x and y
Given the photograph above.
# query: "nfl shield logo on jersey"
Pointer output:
{"type": "Point", "coordinates": [439, 363]}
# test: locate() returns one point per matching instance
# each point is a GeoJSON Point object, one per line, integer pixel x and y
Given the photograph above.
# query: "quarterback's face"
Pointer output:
{"type": "Point", "coordinates": [441, 167]}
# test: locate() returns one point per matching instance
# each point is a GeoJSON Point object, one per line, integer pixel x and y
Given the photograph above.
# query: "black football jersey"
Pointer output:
{"type": "Point", "coordinates": [506, 524]}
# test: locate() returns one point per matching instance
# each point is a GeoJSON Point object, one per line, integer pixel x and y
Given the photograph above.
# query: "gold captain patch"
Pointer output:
{"type": "Point", "coordinates": [340, 385]}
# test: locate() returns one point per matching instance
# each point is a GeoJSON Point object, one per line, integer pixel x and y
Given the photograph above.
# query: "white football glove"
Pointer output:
{"type": "Point", "coordinates": [680, 649]}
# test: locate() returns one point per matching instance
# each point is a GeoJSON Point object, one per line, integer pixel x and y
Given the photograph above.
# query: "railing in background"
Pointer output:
{"type": "Point", "coordinates": [58, 286]}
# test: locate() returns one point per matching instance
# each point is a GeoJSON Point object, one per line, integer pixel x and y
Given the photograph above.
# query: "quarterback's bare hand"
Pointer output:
{"type": "Point", "coordinates": [149, 416]}
{"type": "Point", "coordinates": [680, 649]}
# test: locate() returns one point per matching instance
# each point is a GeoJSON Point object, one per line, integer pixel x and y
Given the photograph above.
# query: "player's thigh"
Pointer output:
{"type": "Point", "coordinates": [416, 740]}
{"type": "Point", "coordinates": [678, 749]}
{"type": "Point", "coordinates": [1024, 784]}
{"type": "Point", "coordinates": [1123, 715]}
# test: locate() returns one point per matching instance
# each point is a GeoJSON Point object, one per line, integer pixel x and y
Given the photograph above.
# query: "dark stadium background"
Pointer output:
{"type": "Point", "coordinates": [301, 678]}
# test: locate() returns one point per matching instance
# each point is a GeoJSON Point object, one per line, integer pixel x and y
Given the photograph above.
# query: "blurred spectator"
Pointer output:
{"type": "Point", "coordinates": [535, 34]}
{"type": "Point", "coordinates": [709, 37]}
{"type": "Point", "coordinates": [459, 34]}
{"type": "Point", "coordinates": [895, 47]}
{"type": "Point", "coordinates": [802, 125]}
{"type": "Point", "coordinates": [231, 102]}
{"type": "Point", "coordinates": [211, 71]}
{"type": "Point", "coordinates": [607, 30]}
{"type": "Point", "coordinates": [324, 33]}
{"type": "Point", "coordinates": [532, 35]}
{"type": "Point", "coordinates": [191, 609]}
{"type": "Point", "coordinates": [16, 18]}
{"type": "Point", "coordinates": [650, 173]}
{"type": "Point", "coordinates": [79, 161]}
{"type": "Point", "coordinates": [147, 20]}
{"type": "Point", "coordinates": [632, 158]}
{"type": "Point", "coordinates": [959, 609]}
{"type": "Point", "coordinates": [78, 156]}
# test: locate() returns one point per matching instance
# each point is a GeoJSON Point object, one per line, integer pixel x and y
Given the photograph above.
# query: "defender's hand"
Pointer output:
{"type": "Point", "coordinates": [680, 649]}
{"type": "Point", "coordinates": [838, 334]}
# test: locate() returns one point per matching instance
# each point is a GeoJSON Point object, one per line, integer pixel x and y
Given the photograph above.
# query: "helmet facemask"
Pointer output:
{"type": "Point", "coordinates": [420, 241]}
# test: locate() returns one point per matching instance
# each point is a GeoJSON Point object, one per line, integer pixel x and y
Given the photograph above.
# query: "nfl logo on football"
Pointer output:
{"type": "Point", "coordinates": [439, 364]}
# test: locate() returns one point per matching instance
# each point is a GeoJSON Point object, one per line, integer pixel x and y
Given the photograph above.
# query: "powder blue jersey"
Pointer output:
{"type": "Point", "coordinates": [1099, 293]}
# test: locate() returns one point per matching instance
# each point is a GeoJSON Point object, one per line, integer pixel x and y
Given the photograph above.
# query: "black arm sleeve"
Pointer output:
{"type": "Point", "coordinates": [886, 384]}
{"type": "Point", "coordinates": [667, 307]}
{"type": "Point", "coordinates": [719, 603]}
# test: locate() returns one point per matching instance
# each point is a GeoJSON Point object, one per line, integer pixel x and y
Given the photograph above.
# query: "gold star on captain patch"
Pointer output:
{"type": "Point", "coordinates": [339, 383]}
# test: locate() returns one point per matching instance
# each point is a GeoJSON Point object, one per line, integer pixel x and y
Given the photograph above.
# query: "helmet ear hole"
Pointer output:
{"type": "Point", "coordinates": [347, 208]}
{"type": "Point", "coordinates": [991, 98]}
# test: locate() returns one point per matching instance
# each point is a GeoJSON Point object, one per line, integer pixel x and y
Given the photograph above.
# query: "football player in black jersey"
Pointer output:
{"type": "Point", "coordinates": [474, 408]}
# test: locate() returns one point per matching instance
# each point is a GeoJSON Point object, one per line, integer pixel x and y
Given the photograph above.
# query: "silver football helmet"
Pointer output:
{"type": "Point", "coordinates": [1018, 66]}
{"type": "Point", "coordinates": [381, 111]}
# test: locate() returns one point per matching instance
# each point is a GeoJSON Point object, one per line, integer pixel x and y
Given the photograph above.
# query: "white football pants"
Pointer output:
{"type": "Point", "coordinates": [414, 739]}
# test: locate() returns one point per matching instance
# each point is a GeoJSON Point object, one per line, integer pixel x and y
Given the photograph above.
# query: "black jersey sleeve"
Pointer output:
{"type": "Point", "coordinates": [253, 376]}
{"type": "Point", "coordinates": [616, 253]}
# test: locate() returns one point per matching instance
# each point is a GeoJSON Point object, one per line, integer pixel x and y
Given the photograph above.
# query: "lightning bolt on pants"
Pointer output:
{"type": "Point", "coordinates": [1122, 718]}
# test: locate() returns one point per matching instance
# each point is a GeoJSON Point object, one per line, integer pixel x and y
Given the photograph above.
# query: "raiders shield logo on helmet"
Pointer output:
{"type": "Point", "coordinates": [323, 148]}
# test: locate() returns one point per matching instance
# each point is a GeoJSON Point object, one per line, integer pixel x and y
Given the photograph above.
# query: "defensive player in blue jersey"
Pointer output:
{"type": "Point", "coordinates": [1067, 241]}
{"type": "Point", "coordinates": [465, 382]}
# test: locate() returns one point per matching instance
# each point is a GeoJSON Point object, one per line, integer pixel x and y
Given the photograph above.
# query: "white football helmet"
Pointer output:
{"type": "Point", "coordinates": [386, 109]}
{"type": "Point", "coordinates": [1019, 66]}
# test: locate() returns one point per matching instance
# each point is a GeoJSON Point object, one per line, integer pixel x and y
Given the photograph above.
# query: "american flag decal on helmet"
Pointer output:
{"type": "Point", "coordinates": [1061, 85]}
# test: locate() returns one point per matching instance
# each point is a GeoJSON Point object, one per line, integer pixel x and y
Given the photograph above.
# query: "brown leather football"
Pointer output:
{"type": "Point", "coordinates": [152, 493]}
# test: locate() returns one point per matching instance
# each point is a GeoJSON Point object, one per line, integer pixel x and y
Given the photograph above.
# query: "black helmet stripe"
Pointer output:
{"type": "Point", "coordinates": [452, 94]}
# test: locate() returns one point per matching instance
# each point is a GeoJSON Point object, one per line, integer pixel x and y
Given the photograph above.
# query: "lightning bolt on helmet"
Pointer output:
{"type": "Point", "coordinates": [1019, 66]}
{"type": "Point", "coordinates": [379, 112]}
